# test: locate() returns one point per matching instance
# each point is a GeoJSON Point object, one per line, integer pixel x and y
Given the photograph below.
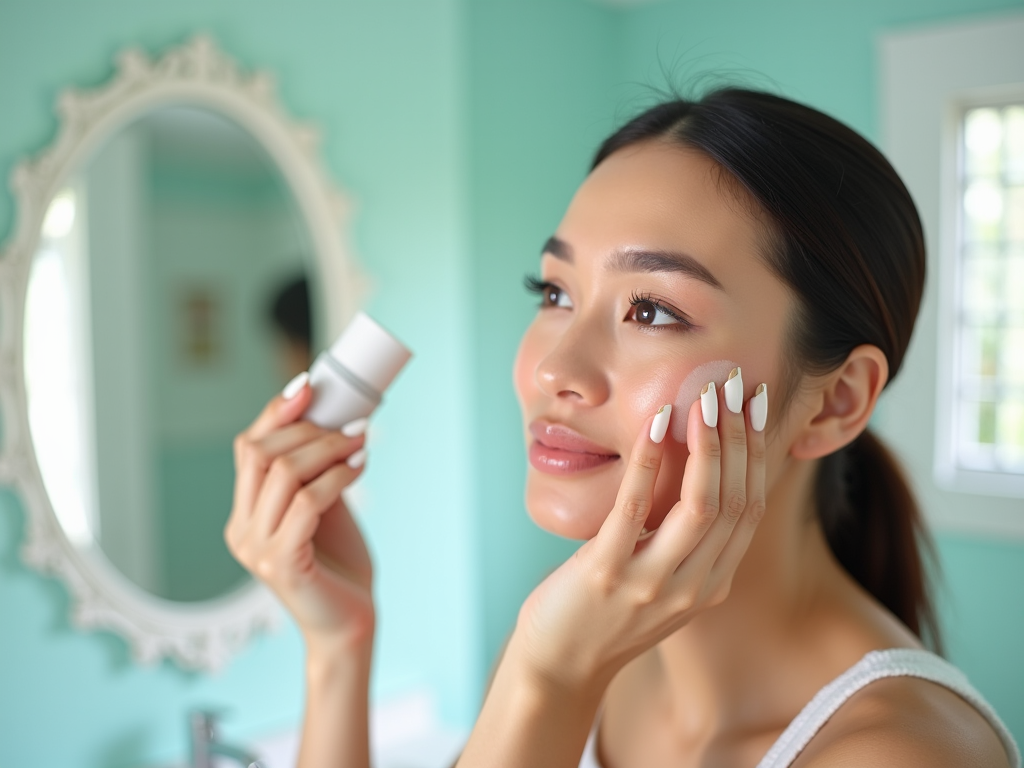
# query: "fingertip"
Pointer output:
{"type": "Point", "coordinates": [634, 500]}
{"type": "Point", "coordinates": [709, 404]}
{"type": "Point", "coordinates": [647, 448]}
{"type": "Point", "coordinates": [659, 424]}
{"type": "Point", "coordinates": [644, 435]}
{"type": "Point", "coordinates": [699, 434]}
{"type": "Point", "coordinates": [295, 386]}
{"type": "Point", "coordinates": [755, 420]}
{"type": "Point", "coordinates": [732, 392]}
{"type": "Point", "coordinates": [284, 410]}
{"type": "Point", "coordinates": [291, 408]}
{"type": "Point", "coordinates": [281, 411]}
{"type": "Point", "coordinates": [757, 408]}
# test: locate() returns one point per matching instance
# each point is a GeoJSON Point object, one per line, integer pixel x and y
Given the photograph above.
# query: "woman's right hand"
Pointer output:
{"type": "Point", "coordinates": [291, 529]}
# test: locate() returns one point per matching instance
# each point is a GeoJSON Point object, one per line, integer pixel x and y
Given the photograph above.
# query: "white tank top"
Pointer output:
{"type": "Point", "coordinates": [895, 662]}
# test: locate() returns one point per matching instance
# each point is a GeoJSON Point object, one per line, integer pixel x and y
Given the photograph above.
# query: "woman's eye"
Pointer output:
{"type": "Point", "coordinates": [553, 296]}
{"type": "Point", "coordinates": [649, 313]}
{"type": "Point", "coordinates": [550, 294]}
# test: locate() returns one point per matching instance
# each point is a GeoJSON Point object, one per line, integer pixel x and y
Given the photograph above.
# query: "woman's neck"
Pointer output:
{"type": "Point", "coordinates": [794, 620]}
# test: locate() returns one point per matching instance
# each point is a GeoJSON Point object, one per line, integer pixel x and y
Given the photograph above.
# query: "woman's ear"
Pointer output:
{"type": "Point", "coordinates": [846, 400]}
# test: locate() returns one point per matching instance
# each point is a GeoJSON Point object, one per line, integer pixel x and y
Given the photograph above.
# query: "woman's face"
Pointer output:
{"type": "Point", "coordinates": [654, 286]}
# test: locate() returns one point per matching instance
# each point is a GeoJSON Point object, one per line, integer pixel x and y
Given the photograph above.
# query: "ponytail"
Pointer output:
{"type": "Point", "coordinates": [874, 528]}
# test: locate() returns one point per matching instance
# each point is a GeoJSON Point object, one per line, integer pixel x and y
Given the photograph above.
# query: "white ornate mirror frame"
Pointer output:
{"type": "Point", "coordinates": [203, 635]}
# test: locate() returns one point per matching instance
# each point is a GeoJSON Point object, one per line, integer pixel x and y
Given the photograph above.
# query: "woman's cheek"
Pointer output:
{"type": "Point", "coordinates": [679, 386]}
{"type": "Point", "coordinates": [647, 395]}
{"type": "Point", "coordinates": [523, 369]}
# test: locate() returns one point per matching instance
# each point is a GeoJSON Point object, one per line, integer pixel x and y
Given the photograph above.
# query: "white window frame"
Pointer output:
{"type": "Point", "coordinates": [948, 472]}
{"type": "Point", "coordinates": [929, 78]}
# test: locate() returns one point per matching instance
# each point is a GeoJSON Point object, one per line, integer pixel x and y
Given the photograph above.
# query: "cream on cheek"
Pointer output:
{"type": "Point", "coordinates": [689, 391]}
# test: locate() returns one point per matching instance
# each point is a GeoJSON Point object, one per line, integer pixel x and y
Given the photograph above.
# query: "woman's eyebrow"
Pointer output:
{"type": "Point", "coordinates": [558, 248]}
{"type": "Point", "coordinates": [637, 260]}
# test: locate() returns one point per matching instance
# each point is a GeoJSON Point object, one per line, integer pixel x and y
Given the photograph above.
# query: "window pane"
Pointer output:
{"type": "Point", "coordinates": [983, 289]}
{"type": "Point", "coordinates": [1014, 287]}
{"type": "Point", "coordinates": [979, 359]}
{"type": "Point", "coordinates": [983, 137]}
{"type": "Point", "coordinates": [1014, 130]}
{"type": "Point", "coordinates": [1011, 366]}
{"type": "Point", "coordinates": [1010, 429]}
{"type": "Point", "coordinates": [976, 443]}
{"type": "Point", "coordinates": [983, 211]}
{"type": "Point", "coordinates": [986, 423]}
{"type": "Point", "coordinates": [989, 415]}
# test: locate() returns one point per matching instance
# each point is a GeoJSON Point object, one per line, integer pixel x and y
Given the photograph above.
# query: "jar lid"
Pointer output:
{"type": "Point", "coordinates": [370, 352]}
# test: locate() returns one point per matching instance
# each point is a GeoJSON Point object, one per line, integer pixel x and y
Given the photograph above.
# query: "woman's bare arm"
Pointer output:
{"type": "Point", "coordinates": [335, 729]}
{"type": "Point", "coordinates": [291, 529]}
{"type": "Point", "coordinates": [527, 723]}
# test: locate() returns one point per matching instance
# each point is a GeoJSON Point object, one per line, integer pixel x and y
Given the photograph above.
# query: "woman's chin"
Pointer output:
{"type": "Point", "coordinates": [564, 516]}
{"type": "Point", "coordinates": [577, 510]}
{"type": "Point", "coordinates": [576, 527]}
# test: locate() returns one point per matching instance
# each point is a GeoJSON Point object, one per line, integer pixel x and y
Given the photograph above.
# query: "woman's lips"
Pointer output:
{"type": "Point", "coordinates": [559, 450]}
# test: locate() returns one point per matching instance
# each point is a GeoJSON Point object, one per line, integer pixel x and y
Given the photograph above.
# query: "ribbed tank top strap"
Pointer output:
{"type": "Point", "coordinates": [894, 662]}
{"type": "Point", "coordinates": [589, 758]}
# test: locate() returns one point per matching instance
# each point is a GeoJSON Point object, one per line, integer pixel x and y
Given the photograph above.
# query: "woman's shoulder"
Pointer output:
{"type": "Point", "coordinates": [906, 722]}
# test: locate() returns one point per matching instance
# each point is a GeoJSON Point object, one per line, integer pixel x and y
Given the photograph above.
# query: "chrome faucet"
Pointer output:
{"type": "Point", "coordinates": [205, 746]}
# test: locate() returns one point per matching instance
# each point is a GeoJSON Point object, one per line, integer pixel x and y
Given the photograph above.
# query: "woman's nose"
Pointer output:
{"type": "Point", "coordinates": [574, 368]}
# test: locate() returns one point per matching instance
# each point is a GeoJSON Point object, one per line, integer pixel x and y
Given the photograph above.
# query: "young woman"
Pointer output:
{"type": "Point", "coordinates": [731, 289]}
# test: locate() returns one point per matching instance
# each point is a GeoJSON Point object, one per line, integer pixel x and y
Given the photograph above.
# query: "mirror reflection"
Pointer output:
{"type": "Point", "coordinates": [168, 300]}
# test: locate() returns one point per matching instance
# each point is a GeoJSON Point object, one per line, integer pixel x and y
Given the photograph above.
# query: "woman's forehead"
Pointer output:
{"type": "Point", "coordinates": [655, 196]}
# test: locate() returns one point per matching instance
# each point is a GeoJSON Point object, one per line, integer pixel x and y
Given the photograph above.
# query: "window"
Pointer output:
{"type": "Point", "coordinates": [58, 381]}
{"type": "Point", "coordinates": [988, 389]}
{"type": "Point", "coordinates": [952, 104]}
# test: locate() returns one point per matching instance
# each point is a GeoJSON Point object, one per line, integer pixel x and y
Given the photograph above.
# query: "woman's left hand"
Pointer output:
{"type": "Point", "coordinates": [618, 596]}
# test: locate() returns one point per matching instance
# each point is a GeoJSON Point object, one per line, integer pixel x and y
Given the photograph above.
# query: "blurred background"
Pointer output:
{"type": "Point", "coordinates": [459, 129]}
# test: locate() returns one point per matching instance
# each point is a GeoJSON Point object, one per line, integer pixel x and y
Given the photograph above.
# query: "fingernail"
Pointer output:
{"type": "Point", "coordinates": [293, 387]}
{"type": "Point", "coordinates": [355, 428]}
{"type": "Point", "coordinates": [734, 391]}
{"type": "Point", "coordinates": [660, 424]}
{"type": "Point", "coordinates": [759, 408]}
{"type": "Point", "coordinates": [645, 534]}
{"type": "Point", "coordinates": [357, 459]}
{"type": "Point", "coordinates": [709, 404]}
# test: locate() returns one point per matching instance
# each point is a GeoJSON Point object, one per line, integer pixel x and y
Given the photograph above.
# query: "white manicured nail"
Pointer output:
{"type": "Point", "coordinates": [355, 428]}
{"type": "Point", "coordinates": [759, 408]}
{"type": "Point", "coordinates": [660, 424]}
{"type": "Point", "coordinates": [734, 391]}
{"type": "Point", "coordinates": [293, 387]}
{"type": "Point", "coordinates": [357, 459]}
{"type": "Point", "coordinates": [709, 404]}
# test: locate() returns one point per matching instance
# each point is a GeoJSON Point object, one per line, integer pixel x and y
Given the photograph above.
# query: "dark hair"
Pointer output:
{"type": "Point", "coordinates": [289, 311]}
{"type": "Point", "coordinates": [846, 238]}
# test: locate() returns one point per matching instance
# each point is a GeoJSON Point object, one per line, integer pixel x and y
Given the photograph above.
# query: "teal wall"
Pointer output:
{"type": "Point", "coordinates": [382, 81]}
{"type": "Point", "coordinates": [461, 128]}
{"type": "Point", "coordinates": [540, 88]}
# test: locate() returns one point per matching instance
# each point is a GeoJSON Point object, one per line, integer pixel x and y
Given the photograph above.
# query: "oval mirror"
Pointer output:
{"type": "Point", "coordinates": [172, 253]}
{"type": "Point", "coordinates": [168, 300]}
